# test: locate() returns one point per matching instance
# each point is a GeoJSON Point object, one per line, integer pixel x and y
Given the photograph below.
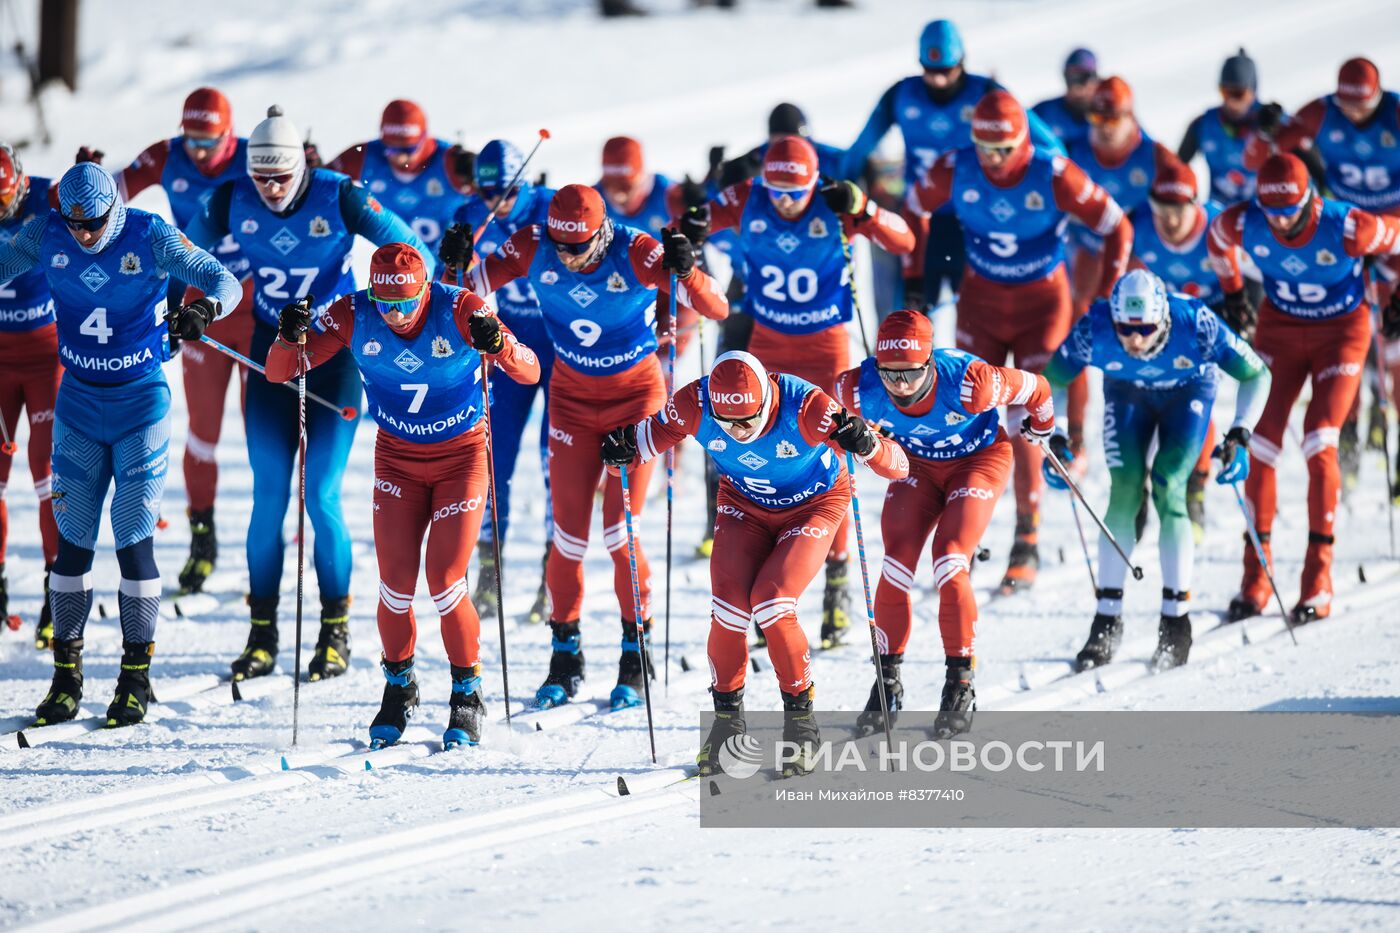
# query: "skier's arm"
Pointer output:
{"type": "Point", "coordinates": [695, 289]}
{"type": "Point", "coordinates": [816, 419]}
{"type": "Point", "coordinates": [21, 254]}
{"type": "Point", "coordinates": [886, 228]}
{"type": "Point", "coordinates": [1297, 133]}
{"type": "Point", "coordinates": [1042, 137]}
{"type": "Point", "coordinates": [936, 187]}
{"type": "Point", "coordinates": [458, 163]}
{"type": "Point", "coordinates": [1191, 140]}
{"type": "Point", "coordinates": [187, 264]}
{"type": "Point", "coordinates": [338, 323]}
{"type": "Point", "coordinates": [879, 123]}
{"type": "Point", "coordinates": [210, 225]}
{"type": "Point", "coordinates": [350, 162]}
{"type": "Point", "coordinates": [367, 217]}
{"type": "Point", "coordinates": [846, 390]}
{"type": "Point", "coordinates": [1367, 234]}
{"type": "Point", "coordinates": [727, 207]}
{"type": "Point", "coordinates": [1222, 245]}
{"type": "Point", "coordinates": [677, 420]}
{"type": "Point", "coordinates": [510, 262]}
{"type": "Point", "coordinates": [144, 171]}
{"type": "Point", "coordinates": [1227, 350]}
{"type": "Point", "coordinates": [1077, 195]}
{"type": "Point", "coordinates": [1068, 361]}
{"type": "Point", "coordinates": [515, 359]}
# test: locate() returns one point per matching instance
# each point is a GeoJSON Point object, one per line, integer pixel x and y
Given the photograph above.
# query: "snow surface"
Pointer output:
{"type": "Point", "coordinates": [189, 821]}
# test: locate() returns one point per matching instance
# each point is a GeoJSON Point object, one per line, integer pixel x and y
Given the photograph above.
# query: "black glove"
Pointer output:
{"type": "Point", "coordinates": [695, 223]}
{"type": "Point", "coordinates": [693, 193]}
{"type": "Point", "coordinates": [914, 294]}
{"type": "Point", "coordinates": [1234, 439]}
{"type": "Point", "coordinates": [295, 320]}
{"type": "Point", "coordinates": [456, 246]}
{"type": "Point", "coordinates": [1390, 318]}
{"type": "Point", "coordinates": [716, 160]}
{"type": "Point", "coordinates": [189, 322]}
{"type": "Point", "coordinates": [1240, 314]}
{"type": "Point", "coordinates": [88, 154]}
{"type": "Point", "coordinates": [1270, 118]}
{"type": "Point", "coordinates": [620, 446]}
{"type": "Point", "coordinates": [486, 332]}
{"type": "Point", "coordinates": [464, 165]}
{"type": "Point", "coordinates": [1059, 446]}
{"type": "Point", "coordinates": [853, 434]}
{"type": "Point", "coordinates": [540, 181]}
{"type": "Point", "coordinates": [313, 155]}
{"type": "Point", "coordinates": [678, 254]}
{"type": "Point", "coordinates": [843, 197]}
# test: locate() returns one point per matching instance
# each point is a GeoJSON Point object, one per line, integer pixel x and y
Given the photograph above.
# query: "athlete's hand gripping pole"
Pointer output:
{"type": "Point", "coordinates": [301, 526]}
{"type": "Point", "coordinates": [1263, 560]}
{"type": "Point", "coordinates": [348, 412]}
{"type": "Point", "coordinates": [1079, 494]}
{"type": "Point", "coordinates": [637, 606]}
{"type": "Point", "coordinates": [869, 603]}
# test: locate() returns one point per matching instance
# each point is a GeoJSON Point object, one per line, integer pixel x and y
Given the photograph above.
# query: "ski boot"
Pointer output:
{"type": "Point", "coordinates": [630, 687]}
{"type": "Point", "coordinates": [871, 720]}
{"type": "Point", "coordinates": [1349, 455]}
{"type": "Point", "coordinates": [539, 612]}
{"type": "Point", "coordinates": [398, 706]}
{"type": "Point", "coordinates": [204, 551]}
{"type": "Point", "coordinates": [5, 617]}
{"type": "Point", "coordinates": [484, 596]}
{"type": "Point", "coordinates": [1254, 588]}
{"type": "Point", "coordinates": [260, 653]}
{"type": "Point", "coordinates": [1173, 634]}
{"type": "Point", "coordinates": [1025, 557]}
{"type": "Point", "coordinates": [133, 694]}
{"type": "Point", "coordinates": [1196, 503]}
{"type": "Point", "coordinates": [332, 655]}
{"type": "Point", "coordinates": [959, 701]}
{"type": "Point", "coordinates": [467, 709]}
{"type": "Point", "coordinates": [800, 728]}
{"type": "Point", "coordinates": [566, 666]}
{"type": "Point", "coordinates": [1376, 427]}
{"type": "Point", "coordinates": [1316, 601]}
{"type": "Point", "coordinates": [60, 704]}
{"type": "Point", "coordinates": [43, 631]}
{"type": "Point", "coordinates": [1105, 635]}
{"type": "Point", "coordinates": [706, 547]}
{"type": "Point", "coordinates": [729, 723]}
{"type": "Point", "coordinates": [836, 605]}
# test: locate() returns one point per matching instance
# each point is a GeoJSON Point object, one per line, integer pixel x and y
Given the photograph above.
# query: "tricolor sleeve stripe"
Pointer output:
{"type": "Point", "coordinates": [1111, 217]}
{"type": "Point", "coordinates": [646, 446]}
{"type": "Point", "coordinates": [1023, 394]}
{"type": "Point", "coordinates": [478, 281]}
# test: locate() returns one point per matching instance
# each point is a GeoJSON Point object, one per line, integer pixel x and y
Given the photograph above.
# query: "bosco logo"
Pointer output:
{"type": "Point", "coordinates": [971, 492]}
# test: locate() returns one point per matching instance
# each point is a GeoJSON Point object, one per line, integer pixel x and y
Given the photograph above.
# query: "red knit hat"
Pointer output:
{"type": "Point", "coordinates": [1359, 81]}
{"type": "Point", "coordinates": [1174, 183]}
{"type": "Point", "coordinates": [206, 110]}
{"type": "Point", "coordinates": [576, 213]}
{"type": "Point", "coordinates": [904, 337]}
{"type": "Point", "coordinates": [998, 120]}
{"type": "Point", "coordinates": [1114, 98]}
{"type": "Point", "coordinates": [622, 162]}
{"type": "Point", "coordinates": [403, 124]}
{"type": "Point", "coordinates": [789, 164]}
{"type": "Point", "coordinates": [738, 387]}
{"type": "Point", "coordinates": [396, 272]}
{"type": "Point", "coordinates": [1283, 182]}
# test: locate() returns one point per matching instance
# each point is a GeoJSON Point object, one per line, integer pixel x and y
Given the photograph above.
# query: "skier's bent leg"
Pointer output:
{"type": "Point", "coordinates": [911, 510]}
{"type": "Point", "coordinates": [458, 501]}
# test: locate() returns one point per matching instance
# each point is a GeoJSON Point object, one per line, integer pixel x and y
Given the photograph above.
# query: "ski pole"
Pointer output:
{"type": "Point", "coordinates": [670, 487]}
{"type": "Point", "coordinates": [637, 607]}
{"type": "Point", "coordinates": [869, 603]}
{"type": "Point", "coordinates": [1079, 494]}
{"type": "Point", "coordinates": [855, 295]}
{"type": "Point", "coordinates": [1084, 544]}
{"type": "Point", "coordinates": [1263, 558]}
{"type": "Point", "coordinates": [8, 446]}
{"type": "Point", "coordinates": [301, 526]}
{"type": "Point", "coordinates": [348, 412]}
{"type": "Point", "coordinates": [510, 188]}
{"type": "Point", "coordinates": [1383, 396]}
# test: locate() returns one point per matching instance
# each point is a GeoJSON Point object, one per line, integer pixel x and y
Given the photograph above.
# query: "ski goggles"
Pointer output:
{"type": "Point", "coordinates": [1079, 78]}
{"type": "Point", "coordinates": [788, 196]}
{"type": "Point", "coordinates": [739, 424]}
{"type": "Point", "coordinates": [400, 150]}
{"type": "Point", "coordinates": [1234, 93]}
{"type": "Point", "coordinates": [904, 377]}
{"type": "Point", "coordinates": [949, 72]}
{"type": "Point", "coordinates": [387, 306]}
{"type": "Point", "coordinates": [1285, 212]}
{"type": "Point", "coordinates": [1135, 330]}
{"type": "Point", "coordinates": [284, 178]}
{"type": "Point", "coordinates": [574, 249]}
{"type": "Point", "coordinates": [199, 142]}
{"type": "Point", "coordinates": [87, 224]}
{"type": "Point", "coordinates": [1099, 118]}
{"type": "Point", "coordinates": [997, 149]}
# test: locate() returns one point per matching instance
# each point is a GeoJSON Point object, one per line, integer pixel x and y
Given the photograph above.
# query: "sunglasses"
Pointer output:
{"type": "Point", "coordinates": [87, 224]}
{"type": "Point", "coordinates": [574, 249]}
{"type": "Point", "coordinates": [1234, 93]}
{"type": "Point", "coordinates": [202, 143]}
{"type": "Point", "coordinates": [904, 377]}
{"type": "Point", "coordinates": [1079, 78]}
{"type": "Point", "coordinates": [1135, 330]}
{"type": "Point", "coordinates": [1000, 149]}
{"type": "Point", "coordinates": [400, 150]}
{"type": "Point", "coordinates": [1283, 212]}
{"type": "Point", "coordinates": [388, 306]}
{"type": "Point", "coordinates": [284, 178]}
{"type": "Point", "coordinates": [1160, 207]}
{"type": "Point", "coordinates": [739, 424]}
{"type": "Point", "coordinates": [948, 72]}
{"type": "Point", "coordinates": [1098, 118]}
{"type": "Point", "coordinates": [791, 195]}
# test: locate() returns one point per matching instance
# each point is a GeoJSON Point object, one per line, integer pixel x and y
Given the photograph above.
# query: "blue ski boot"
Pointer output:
{"type": "Point", "coordinates": [629, 689]}
{"type": "Point", "coordinates": [565, 667]}
{"type": "Point", "coordinates": [468, 708]}
{"type": "Point", "coordinates": [399, 704]}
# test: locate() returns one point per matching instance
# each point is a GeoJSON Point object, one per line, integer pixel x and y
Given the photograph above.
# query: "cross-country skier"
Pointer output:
{"type": "Point", "coordinates": [497, 165]}
{"type": "Point", "coordinates": [429, 457]}
{"type": "Point", "coordinates": [1219, 135]}
{"type": "Point", "coordinates": [296, 225]}
{"type": "Point", "coordinates": [1012, 200]}
{"type": "Point", "coordinates": [1313, 326]}
{"type": "Point", "coordinates": [933, 111]}
{"type": "Point", "coordinates": [780, 444]}
{"type": "Point", "coordinates": [597, 284]}
{"type": "Point", "coordinates": [108, 269]}
{"type": "Point", "coordinates": [189, 167]}
{"type": "Point", "coordinates": [1161, 357]}
{"type": "Point", "coordinates": [1068, 115]}
{"type": "Point", "coordinates": [29, 368]}
{"type": "Point", "coordinates": [420, 177]}
{"type": "Point", "coordinates": [795, 244]}
{"type": "Point", "coordinates": [941, 406]}
{"type": "Point", "coordinates": [632, 195]}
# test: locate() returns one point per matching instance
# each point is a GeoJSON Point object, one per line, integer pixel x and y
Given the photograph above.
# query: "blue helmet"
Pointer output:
{"type": "Point", "coordinates": [941, 45]}
{"type": "Point", "coordinates": [497, 164]}
{"type": "Point", "coordinates": [88, 191]}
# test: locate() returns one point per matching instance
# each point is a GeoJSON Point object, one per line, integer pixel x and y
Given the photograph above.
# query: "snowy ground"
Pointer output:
{"type": "Point", "coordinates": [191, 821]}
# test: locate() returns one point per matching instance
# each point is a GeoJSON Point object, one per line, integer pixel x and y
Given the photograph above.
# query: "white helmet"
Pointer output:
{"type": "Point", "coordinates": [275, 148]}
{"type": "Point", "coordinates": [1138, 298]}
